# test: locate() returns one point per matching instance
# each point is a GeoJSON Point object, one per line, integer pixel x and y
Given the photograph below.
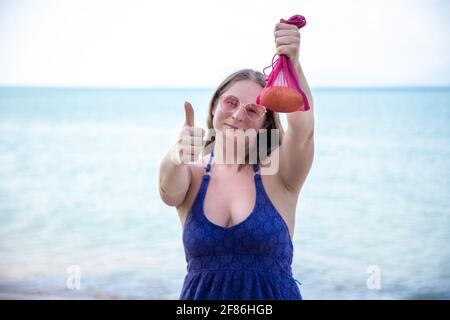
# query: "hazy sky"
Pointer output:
{"type": "Point", "coordinates": [198, 43]}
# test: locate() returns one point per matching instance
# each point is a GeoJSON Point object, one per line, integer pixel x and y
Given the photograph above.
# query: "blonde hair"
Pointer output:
{"type": "Point", "coordinates": [272, 120]}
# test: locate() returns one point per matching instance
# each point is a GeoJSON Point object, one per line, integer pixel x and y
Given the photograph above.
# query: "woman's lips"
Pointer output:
{"type": "Point", "coordinates": [230, 126]}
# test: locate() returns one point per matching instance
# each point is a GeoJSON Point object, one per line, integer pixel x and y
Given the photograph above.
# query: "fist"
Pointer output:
{"type": "Point", "coordinates": [190, 140]}
{"type": "Point", "coordinates": [287, 40]}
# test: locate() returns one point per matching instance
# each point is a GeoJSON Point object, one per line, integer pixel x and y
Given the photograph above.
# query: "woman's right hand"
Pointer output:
{"type": "Point", "coordinates": [190, 141]}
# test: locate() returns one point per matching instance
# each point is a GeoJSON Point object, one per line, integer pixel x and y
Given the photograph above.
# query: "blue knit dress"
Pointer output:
{"type": "Point", "coordinates": [251, 260]}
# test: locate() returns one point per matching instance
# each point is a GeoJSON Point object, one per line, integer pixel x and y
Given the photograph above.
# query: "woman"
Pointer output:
{"type": "Point", "coordinates": [237, 222]}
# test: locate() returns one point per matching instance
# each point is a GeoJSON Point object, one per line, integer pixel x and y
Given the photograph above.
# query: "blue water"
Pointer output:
{"type": "Point", "coordinates": [79, 187]}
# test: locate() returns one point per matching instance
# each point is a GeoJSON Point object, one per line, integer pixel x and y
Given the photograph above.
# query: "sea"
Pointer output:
{"type": "Point", "coordinates": [81, 216]}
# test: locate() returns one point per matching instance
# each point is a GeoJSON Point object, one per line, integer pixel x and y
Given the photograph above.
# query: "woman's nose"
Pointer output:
{"type": "Point", "coordinates": [239, 114]}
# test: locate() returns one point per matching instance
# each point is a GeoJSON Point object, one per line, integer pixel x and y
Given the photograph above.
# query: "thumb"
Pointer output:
{"type": "Point", "coordinates": [189, 114]}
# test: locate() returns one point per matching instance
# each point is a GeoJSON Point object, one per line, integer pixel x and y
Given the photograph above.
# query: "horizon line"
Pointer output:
{"type": "Point", "coordinates": [201, 88]}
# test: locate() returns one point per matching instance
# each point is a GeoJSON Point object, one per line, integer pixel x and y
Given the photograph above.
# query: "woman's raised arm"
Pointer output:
{"type": "Point", "coordinates": [297, 149]}
{"type": "Point", "coordinates": [174, 173]}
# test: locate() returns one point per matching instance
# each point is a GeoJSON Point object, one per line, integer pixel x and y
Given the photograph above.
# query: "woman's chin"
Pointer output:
{"type": "Point", "coordinates": [229, 132]}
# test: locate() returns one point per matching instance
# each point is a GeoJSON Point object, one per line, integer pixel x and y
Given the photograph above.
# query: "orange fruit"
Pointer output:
{"type": "Point", "coordinates": [281, 99]}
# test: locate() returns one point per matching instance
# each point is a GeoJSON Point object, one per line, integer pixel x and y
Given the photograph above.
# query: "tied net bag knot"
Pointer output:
{"type": "Point", "coordinates": [283, 92]}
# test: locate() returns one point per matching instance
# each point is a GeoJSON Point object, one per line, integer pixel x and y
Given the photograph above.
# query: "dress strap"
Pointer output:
{"type": "Point", "coordinates": [256, 168]}
{"type": "Point", "coordinates": [208, 166]}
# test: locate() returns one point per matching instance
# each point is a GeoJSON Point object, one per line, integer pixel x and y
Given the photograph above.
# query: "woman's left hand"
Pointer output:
{"type": "Point", "coordinates": [287, 40]}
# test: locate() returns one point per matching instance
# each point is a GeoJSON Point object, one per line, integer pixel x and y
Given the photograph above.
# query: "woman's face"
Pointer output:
{"type": "Point", "coordinates": [246, 91]}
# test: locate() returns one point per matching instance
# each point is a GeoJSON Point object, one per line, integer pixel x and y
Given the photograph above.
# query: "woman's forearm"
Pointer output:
{"type": "Point", "coordinates": [304, 83]}
{"type": "Point", "coordinates": [174, 179]}
{"type": "Point", "coordinates": [302, 122]}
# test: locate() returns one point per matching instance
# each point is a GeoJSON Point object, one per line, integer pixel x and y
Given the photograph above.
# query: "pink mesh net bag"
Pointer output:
{"type": "Point", "coordinates": [283, 92]}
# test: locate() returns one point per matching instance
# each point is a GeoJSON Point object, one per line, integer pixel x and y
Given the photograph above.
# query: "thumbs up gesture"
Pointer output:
{"type": "Point", "coordinates": [190, 141]}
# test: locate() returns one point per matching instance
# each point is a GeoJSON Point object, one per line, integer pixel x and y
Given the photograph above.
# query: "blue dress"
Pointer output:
{"type": "Point", "coordinates": [250, 260]}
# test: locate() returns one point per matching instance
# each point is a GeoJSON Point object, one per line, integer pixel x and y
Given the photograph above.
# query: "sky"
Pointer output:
{"type": "Point", "coordinates": [135, 43]}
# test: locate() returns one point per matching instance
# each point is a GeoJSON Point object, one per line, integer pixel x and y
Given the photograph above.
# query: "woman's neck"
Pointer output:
{"type": "Point", "coordinates": [230, 158]}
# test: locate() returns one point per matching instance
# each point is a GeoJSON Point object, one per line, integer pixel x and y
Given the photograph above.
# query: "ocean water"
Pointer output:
{"type": "Point", "coordinates": [81, 217]}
